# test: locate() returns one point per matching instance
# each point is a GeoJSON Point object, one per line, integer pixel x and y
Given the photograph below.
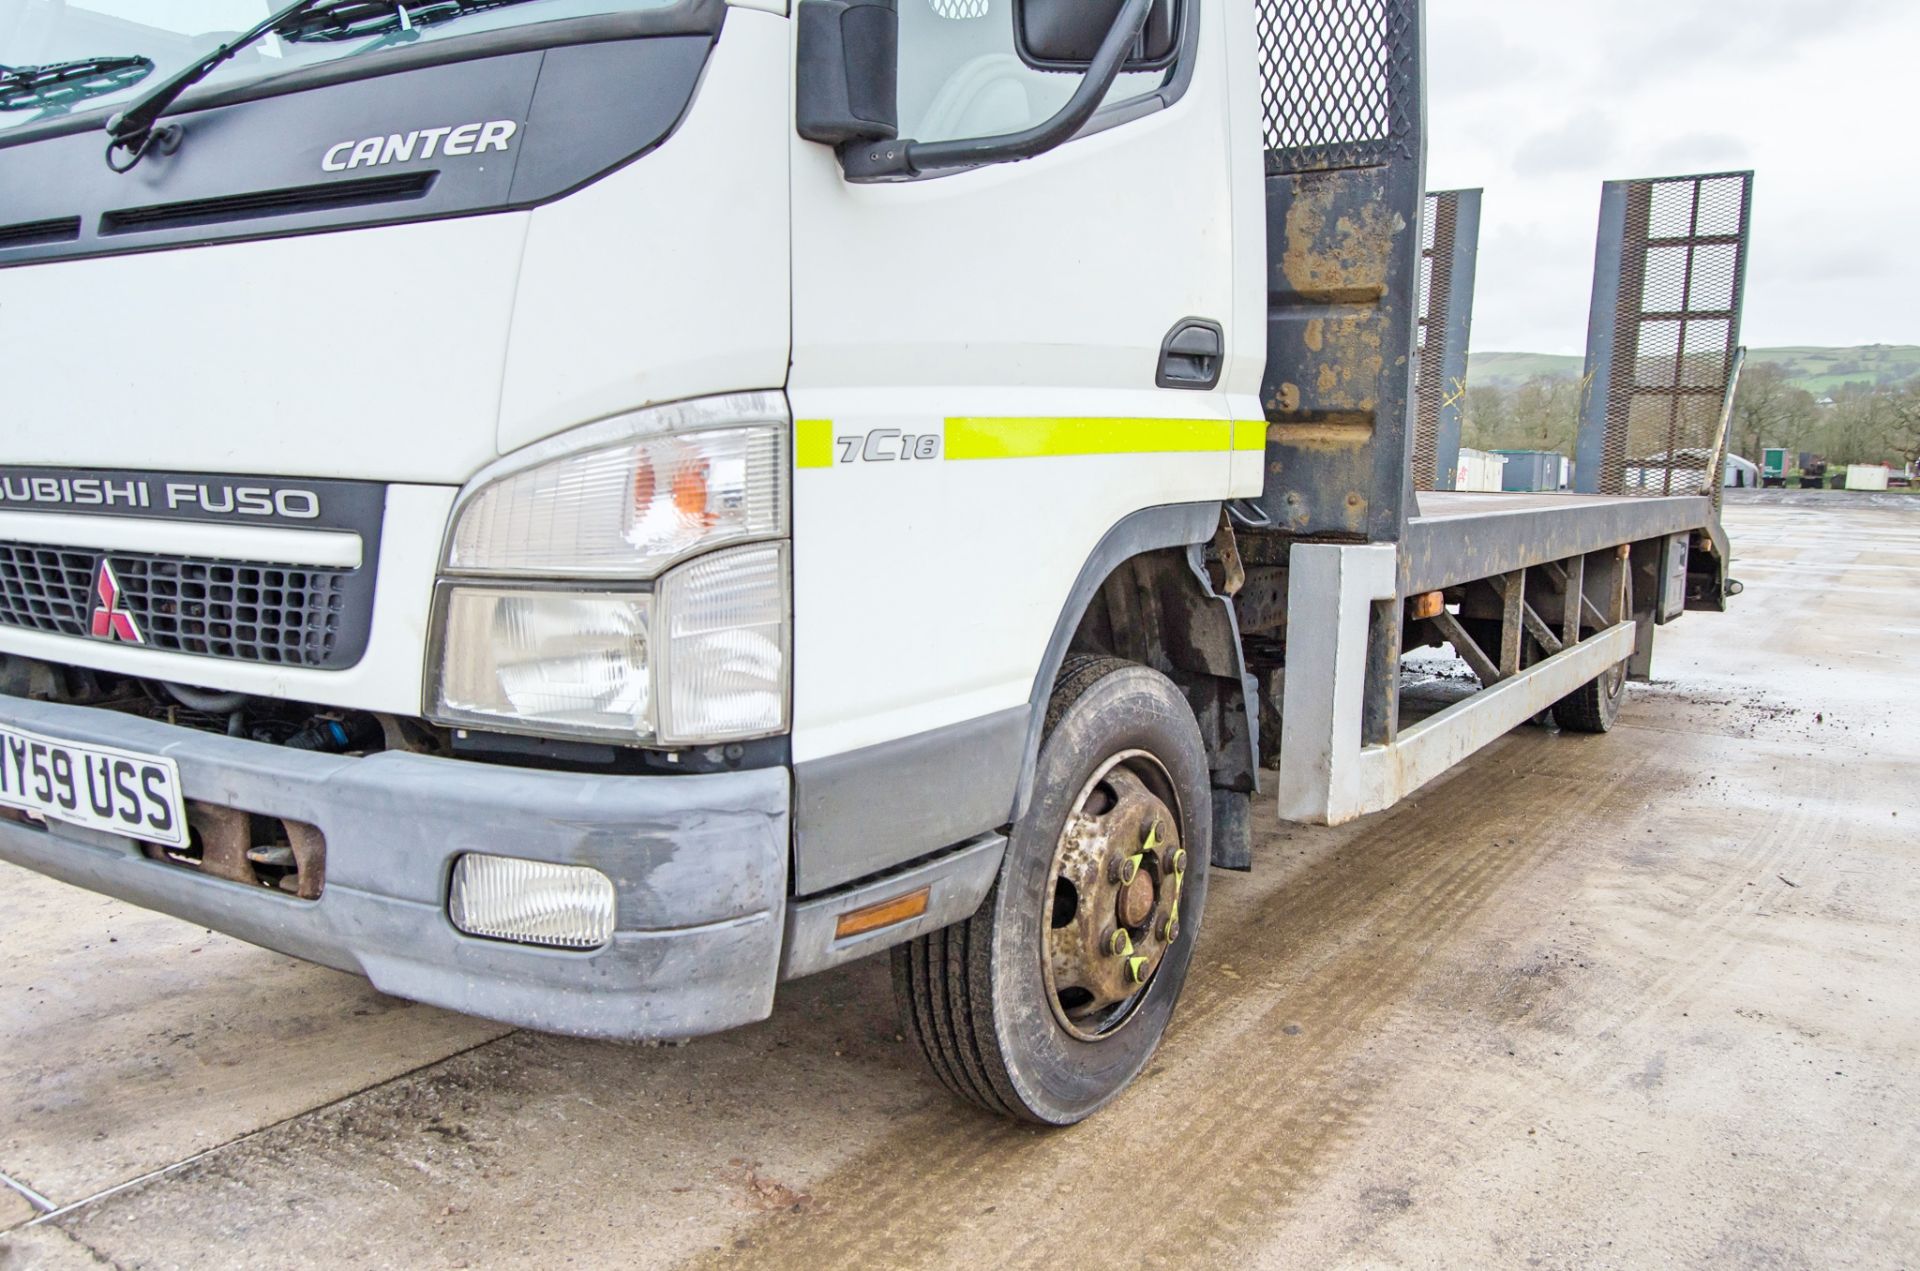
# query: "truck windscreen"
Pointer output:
{"type": "Point", "coordinates": [67, 57]}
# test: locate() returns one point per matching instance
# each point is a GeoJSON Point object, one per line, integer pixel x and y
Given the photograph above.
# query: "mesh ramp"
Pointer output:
{"type": "Point", "coordinates": [1664, 334]}
{"type": "Point", "coordinates": [1449, 252]}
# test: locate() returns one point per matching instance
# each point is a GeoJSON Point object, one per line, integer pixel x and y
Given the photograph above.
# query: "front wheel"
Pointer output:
{"type": "Point", "coordinates": [1051, 998]}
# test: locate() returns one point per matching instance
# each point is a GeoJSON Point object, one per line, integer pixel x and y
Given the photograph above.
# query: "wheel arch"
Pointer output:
{"type": "Point", "coordinates": [1187, 630]}
{"type": "Point", "coordinates": [925, 793]}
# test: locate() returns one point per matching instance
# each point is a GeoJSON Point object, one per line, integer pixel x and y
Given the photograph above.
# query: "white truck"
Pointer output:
{"type": "Point", "coordinates": [582, 510]}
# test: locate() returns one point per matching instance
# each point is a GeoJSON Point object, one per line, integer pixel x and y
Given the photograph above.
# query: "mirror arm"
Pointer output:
{"type": "Point", "coordinates": [895, 160]}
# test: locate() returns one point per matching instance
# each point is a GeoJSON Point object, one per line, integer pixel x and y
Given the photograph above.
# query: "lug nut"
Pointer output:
{"type": "Point", "coordinates": [1120, 944]}
{"type": "Point", "coordinates": [1130, 869]}
{"type": "Point", "coordinates": [1170, 929]}
{"type": "Point", "coordinates": [1180, 861]}
{"type": "Point", "coordinates": [1136, 970]}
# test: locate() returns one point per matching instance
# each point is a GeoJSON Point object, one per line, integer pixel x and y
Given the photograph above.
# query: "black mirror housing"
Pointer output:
{"type": "Point", "coordinates": [1063, 35]}
{"type": "Point", "coordinates": [848, 67]}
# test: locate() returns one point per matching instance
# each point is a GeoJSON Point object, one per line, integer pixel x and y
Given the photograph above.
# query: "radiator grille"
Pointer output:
{"type": "Point", "coordinates": [45, 588]}
{"type": "Point", "coordinates": [278, 614]}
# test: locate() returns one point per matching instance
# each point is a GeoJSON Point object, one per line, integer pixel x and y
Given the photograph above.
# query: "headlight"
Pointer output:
{"type": "Point", "coordinates": [723, 656]}
{"type": "Point", "coordinates": [547, 623]}
{"type": "Point", "coordinates": [629, 497]}
{"type": "Point", "coordinates": [701, 660]}
{"type": "Point", "coordinates": [559, 661]}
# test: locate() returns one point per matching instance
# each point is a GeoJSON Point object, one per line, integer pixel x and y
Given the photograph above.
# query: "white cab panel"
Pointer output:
{"type": "Point", "coordinates": [387, 677]}
{"type": "Point", "coordinates": [667, 279]}
{"type": "Point", "coordinates": [371, 354]}
{"type": "Point", "coordinates": [926, 590]}
{"type": "Point", "coordinates": [1247, 331]}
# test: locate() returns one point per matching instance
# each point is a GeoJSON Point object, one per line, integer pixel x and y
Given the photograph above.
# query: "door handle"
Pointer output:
{"type": "Point", "coordinates": [1191, 354]}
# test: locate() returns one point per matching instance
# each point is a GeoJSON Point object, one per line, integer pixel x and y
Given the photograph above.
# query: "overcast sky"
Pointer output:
{"type": "Point", "coordinates": [1539, 102]}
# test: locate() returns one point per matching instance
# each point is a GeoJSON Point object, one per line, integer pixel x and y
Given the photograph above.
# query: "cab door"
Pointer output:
{"type": "Point", "coordinates": [979, 385]}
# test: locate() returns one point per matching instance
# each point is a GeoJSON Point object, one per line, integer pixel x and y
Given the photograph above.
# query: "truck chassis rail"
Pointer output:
{"type": "Point", "coordinates": [1343, 597]}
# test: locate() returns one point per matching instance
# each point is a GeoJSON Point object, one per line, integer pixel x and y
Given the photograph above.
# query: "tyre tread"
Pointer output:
{"type": "Point", "coordinates": [942, 980]}
{"type": "Point", "coordinates": [912, 1000]}
{"type": "Point", "coordinates": [1586, 709]}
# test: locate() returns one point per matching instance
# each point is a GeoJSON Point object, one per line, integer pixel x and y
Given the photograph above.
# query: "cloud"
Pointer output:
{"type": "Point", "coordinates": [1534, 282]}
{"type": "Point", "coordinates": [1577, 144]}
{"type": "Point", "coordinates": [1540, 103]}
{"type": "Point", "coordinates": [1700, 152]}
{"type": "Point", "coordinates": [1475, 55]}
{"type": "Point", "coordinates": [1644, 41]}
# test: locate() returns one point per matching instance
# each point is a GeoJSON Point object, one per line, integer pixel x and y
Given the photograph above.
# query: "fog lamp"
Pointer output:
{"type": "Point", "coordinates": [531, 902]}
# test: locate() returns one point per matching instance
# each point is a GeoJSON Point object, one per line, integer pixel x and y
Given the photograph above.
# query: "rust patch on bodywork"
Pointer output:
{"type": "Point", "coordinates": [1337, 249]}
{"type": "Point", "coordinates": [1338, 255]}
{"type": "Point", "coordinates": [1336, 346]}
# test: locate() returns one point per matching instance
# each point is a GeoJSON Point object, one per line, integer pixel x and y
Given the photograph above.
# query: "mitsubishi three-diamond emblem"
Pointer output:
{"type": "Point", "coordinates": [111, 621]}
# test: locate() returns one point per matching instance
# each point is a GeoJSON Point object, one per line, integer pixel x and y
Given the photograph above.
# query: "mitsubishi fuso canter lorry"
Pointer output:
{"type": "Point", "coordinates": [581, 511]}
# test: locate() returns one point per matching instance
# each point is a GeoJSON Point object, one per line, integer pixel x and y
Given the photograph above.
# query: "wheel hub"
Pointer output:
{"type": "Point", "coordinates": [1117, 877]}
{"type": "Point", "coordinates": [1136, 901]}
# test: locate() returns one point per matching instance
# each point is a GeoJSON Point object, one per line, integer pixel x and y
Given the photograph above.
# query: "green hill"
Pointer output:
{"type": "Point", "coordinates": [1509, 370]}
{"type": "Point", "coordinates": [1818, 370]}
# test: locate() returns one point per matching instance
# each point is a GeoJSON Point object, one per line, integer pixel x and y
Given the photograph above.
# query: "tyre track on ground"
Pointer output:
{"type": "Point", "coordinates": [1358, 934]}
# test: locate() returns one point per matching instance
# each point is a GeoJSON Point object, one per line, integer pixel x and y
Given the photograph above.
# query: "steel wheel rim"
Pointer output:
{"type": "Point", "coordinates": [1113, 905]}
{"type": "Point", "coordinates": [1615, 683]}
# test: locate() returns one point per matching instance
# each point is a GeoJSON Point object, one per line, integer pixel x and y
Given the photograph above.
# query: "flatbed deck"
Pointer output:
{"type": "Point", "coordinates": [1459, 537]}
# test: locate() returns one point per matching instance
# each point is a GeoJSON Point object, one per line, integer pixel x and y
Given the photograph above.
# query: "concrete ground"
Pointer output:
{"type": "Point", "coordinates": [1644, 999]}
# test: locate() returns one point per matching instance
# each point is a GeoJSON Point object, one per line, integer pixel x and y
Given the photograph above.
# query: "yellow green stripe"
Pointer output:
{"type": "Point", "coordinates": [973, 437]}
{"type": "Point", "coordinates": [1250, 434]}
{"type": "Point", "coordinates": [813, 443]}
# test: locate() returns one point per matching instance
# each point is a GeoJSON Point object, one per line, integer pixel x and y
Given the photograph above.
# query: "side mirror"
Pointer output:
{"type": "Point", "coordinates": [849, 94]}
{"type": "Point", "coordinates": [1064, 35]}
{"type": "Point", "coordinates": [848, 71]}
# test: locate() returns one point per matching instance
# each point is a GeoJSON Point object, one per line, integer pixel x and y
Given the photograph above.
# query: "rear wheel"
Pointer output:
{"type": "Point", "coordinates": [1595, 705]}
{"type": "Point", "coordinates": [1051, 998]}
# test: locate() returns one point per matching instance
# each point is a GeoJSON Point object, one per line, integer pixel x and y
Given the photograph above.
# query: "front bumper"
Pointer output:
{"type": "Point", "coordinates": [698, 863]}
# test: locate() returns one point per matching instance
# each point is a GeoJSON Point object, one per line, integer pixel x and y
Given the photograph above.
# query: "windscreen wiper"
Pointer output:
{"type": "Point", "coordinates": [394, 22]}
{"type": "Point", "coordinates": [54, 88]}
{"type": "Point", "coordinates": [133, 130]}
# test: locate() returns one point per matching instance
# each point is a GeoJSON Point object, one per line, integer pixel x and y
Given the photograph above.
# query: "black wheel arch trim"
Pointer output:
{"type": "Point", "coordinates": [1176, 525]}
{"type": "Point", "coordinates": [862, 812]}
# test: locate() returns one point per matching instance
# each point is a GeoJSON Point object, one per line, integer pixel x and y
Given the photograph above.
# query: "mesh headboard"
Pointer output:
{"type": "Point", "coordinates": [1339, 80]}
{"type": "Point", "coordinates": [1343, 120]}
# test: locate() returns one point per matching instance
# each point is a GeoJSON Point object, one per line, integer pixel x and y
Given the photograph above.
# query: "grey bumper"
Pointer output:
{"type": "Point", "coordinates": [699, 866]}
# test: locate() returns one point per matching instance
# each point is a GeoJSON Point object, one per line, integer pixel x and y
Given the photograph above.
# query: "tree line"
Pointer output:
{"type": "Point", "coordinates": [1857, 423]}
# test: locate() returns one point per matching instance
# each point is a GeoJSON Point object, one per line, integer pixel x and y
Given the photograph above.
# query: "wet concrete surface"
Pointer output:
{"type": "Point", "coordinates": [1652, 997]}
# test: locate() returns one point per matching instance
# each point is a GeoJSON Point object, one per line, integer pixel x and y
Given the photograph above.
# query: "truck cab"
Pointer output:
{"type": "Point", "coordinates": [580, 511]}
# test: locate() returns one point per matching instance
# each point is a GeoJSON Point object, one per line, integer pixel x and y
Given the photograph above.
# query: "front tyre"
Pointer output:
{"type": "Point", "coordinates": [1052, 997]}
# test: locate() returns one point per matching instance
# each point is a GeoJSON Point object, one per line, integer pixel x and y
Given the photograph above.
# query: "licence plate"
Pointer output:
{"type": "Point", "coordinates": [99, 787]}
